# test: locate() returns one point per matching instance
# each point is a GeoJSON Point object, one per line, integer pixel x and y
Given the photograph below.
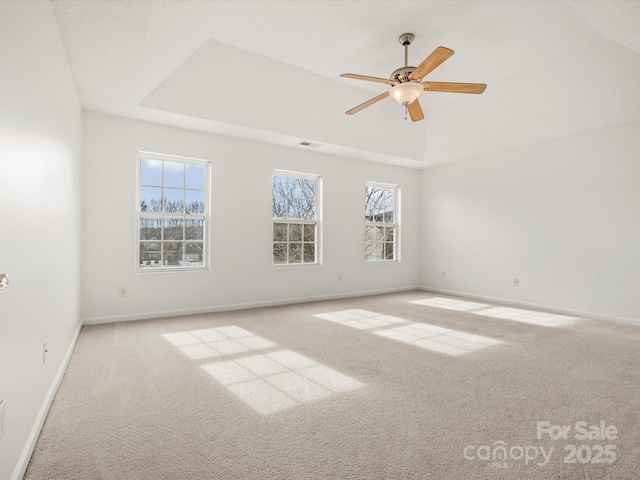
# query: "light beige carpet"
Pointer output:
{"type": "Point", "coordinates": [359, 392]}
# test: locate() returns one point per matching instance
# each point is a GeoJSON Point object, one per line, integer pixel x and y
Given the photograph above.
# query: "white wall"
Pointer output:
{"type": "Point", "coordinates": [40, 127]}
{"type": "Point", "coordinates": [562, 216]}
{"type": "Point", "coordinates": [241, 271]}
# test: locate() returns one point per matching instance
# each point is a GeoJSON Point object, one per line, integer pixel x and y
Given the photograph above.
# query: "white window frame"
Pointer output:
{"type": "Point", "coordinates": [317, 221]}
{"type": "Point", "coordinates": [395, 224]}
{"type": "Point", "coordinates": [206, 216]}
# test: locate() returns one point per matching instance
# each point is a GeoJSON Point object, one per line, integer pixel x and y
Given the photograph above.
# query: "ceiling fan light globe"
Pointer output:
{"type": "Point", "coordinates": [405, 93]}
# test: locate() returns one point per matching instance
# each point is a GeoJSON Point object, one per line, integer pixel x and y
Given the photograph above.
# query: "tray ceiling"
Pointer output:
{"type": "Point", "coordinates": [269, 70]}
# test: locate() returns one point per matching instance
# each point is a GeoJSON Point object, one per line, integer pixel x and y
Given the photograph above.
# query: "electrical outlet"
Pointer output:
{"type": "Point", "coordinates": [45, 350]}
{"type": "Point", "coordinates": [339, 277]}
{"type": "Point", "coordinates": [516, 282]}
{"type": "Point", "coordinates": [3, 418]}
{"type": "Point", "coordinates": [123, 291]}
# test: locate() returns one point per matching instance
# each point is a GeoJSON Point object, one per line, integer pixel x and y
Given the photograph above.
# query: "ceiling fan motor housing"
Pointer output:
{"type": "Point", "coordinates": [402, 74]}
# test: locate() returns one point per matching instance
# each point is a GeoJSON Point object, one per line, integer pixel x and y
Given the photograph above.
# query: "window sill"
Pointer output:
{"type": "Point", "coordinates": [146, 271]}
{"type": "Point", "coordinates": [295, 265]}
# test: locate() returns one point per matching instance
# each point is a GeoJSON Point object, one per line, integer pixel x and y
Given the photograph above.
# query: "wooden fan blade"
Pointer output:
{"type": "Point", "coordinates": [454, 87]}
{"type": "Point", "coordinates": [415, 111]}
{"type": "Point", "coordinates": [366, 104]}
{"type": "Point", "coordinates": [368, 79]}
{"type": "Point", "coordinates": [433, 61]}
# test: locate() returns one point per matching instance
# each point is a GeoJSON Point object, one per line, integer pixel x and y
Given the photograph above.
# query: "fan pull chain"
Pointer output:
{"type": "Point", "coordinates": [406, 111]}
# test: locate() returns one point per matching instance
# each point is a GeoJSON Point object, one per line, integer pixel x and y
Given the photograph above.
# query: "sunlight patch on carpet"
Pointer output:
{"type": "Point", "coordinates": [216, 342]}
{"type": "Point", "coordinates": [529, 316]}
{"type": "Point", "coordinates": [438, 339]}
{"type": "Point", "coordinates": [517, 314]}
{"type": "Point", "coordinates": [450, 304]}
{"type": "Point", "coordinates": [431, 337]}
{"type": "Point", "coordinates": [360, 319]}
{"type": "Point", "coordinates": [280, 380]}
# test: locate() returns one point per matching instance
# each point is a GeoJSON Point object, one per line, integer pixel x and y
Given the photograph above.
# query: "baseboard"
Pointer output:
{"type": "Point", "coordinates": [537, 306]}
{"type": "Point", "coordinates": [239, 306]}
{"type": "Point", "coordinates": [27, 451]}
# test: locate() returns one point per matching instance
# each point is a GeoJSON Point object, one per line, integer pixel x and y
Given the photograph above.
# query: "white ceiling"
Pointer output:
{"type": "Point", "coordinates": [269, 70]}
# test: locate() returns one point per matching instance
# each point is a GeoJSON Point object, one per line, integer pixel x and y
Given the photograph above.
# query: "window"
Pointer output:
{"type": "Point", "coordinates": [381, 220]}
{"type": "Point", "coordinates": [173, 213]}
{"type": "Point", "coordinates": [295, 214]}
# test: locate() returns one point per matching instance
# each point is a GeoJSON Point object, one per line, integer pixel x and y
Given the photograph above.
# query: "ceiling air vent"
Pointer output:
{"type": "Point", "coordinates": [306, 143]}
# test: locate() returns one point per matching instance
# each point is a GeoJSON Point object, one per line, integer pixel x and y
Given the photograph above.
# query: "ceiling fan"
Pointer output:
{"type": "Point", "coordinates": [405, 81]}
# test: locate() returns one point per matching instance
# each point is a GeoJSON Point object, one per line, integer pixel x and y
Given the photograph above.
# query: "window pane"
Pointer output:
{"type": "Point", "coordinates": [173, 253]}
{"type": "Point", "coordinates": [368, 192]}
{"type": "Point", "coordinates": [194, 254]}
{"type": "Point", "coordinates": [279, 208]}
{"type": "Point", "coordinates": [150, 255]}
{"type": "Point", "coordinates": [293, 187]}
{"type": "Point", "coordinates": [369, 234]}
{"type": "Point", "coordinates": [308, 187]}
{"type": "Point", "coordinates": [377, 251]}
{"type": "Point", "coordinates": [173, 200]}
{"type": "Point", "coordinates": [279, 232]}
{"type": "Point", "coordinates": [369, 212]}
{"type": "Point", "coordinates": [174, 174]}
{"type": "Point", "coordinates": [308, 209]}
{"type": "Point", "coordinates": [369, 248]}
{"type": "Point", "coordinates": [194, 176]}
{"type": "Point", "coordinates": [150, 199]}
{"type": "Point", "coordinates": [377, 234]}
{"type": "Point", "coordinates": [309, 233]}
{"type": "Point", "coordinates": [389, 234]}
{"type": "Point", "coordinates": [150, 172]}
{"type": "Point", "coordinates": [295, 208]}
{"type": "Point", "coordinates": [279, 253]}
{"type": "Point", "coordinates": [279, 186]}
{"type": "Point", "coordinates": [309, 252]}
{"type": "Point", "coordinates": [378, 215]}
{"type": "Point", "coordinates": [195, 201]}
{"type": "Point", "coordinates": [150, 229]}
{"type": "Point", "coordinates": [388, 251]}
{"type": "Point", "coordinates": [295, 232]}
{"type": "Point", "coordinates": [194, 229]}
{"type": "Point", "coordinates": [389, 214]}
{"type": "Point", "coordinates": [295, 253]}
{"type": "Point", "coordinates": [173, 229]}
{"type": "Point", "coordinates": [374, 195]}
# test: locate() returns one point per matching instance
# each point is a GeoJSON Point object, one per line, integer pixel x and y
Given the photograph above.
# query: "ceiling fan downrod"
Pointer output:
{"type": "Point", "coordinates": [405, 40]}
